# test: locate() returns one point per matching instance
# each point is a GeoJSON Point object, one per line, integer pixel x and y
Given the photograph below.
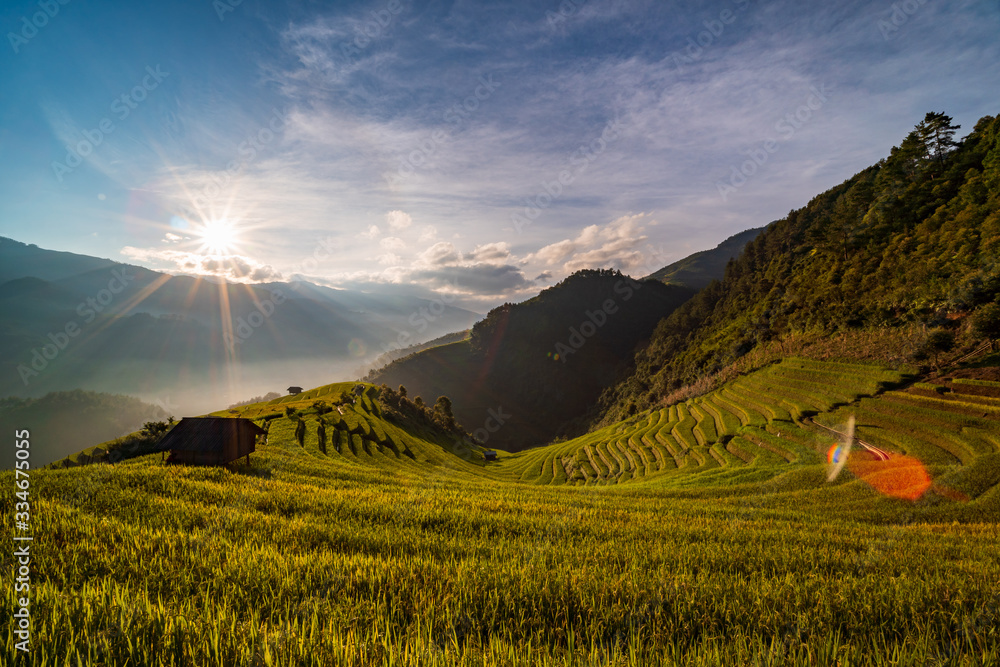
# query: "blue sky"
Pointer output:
{"type": "Point", "coordinates": [482, 149]}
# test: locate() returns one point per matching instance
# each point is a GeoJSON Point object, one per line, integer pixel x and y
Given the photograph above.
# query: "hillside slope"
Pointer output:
{"type": "Point", "coordinates": [66, 422]}
{"type": "Point", "coordinates": [532, 371]}
{"type": "Point", "coordinates": [913, 240]}
{"type": "Point", "coordinates": [390, 356]}
{"type": "Point", "coordinates": [934, 441]}
{"type": "Point", "coordinates": [332, 422]}
{"type": "Point", "coordinates": [701, 268]}
{"type": "Point", "coordinates": [675, 537]}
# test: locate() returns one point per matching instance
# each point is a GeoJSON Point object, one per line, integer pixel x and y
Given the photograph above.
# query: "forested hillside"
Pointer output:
{"type": "Point", "coordinates": [914, 239]}
{"type": "Point", "coordinates": [67, 421]}
{"type": "Point", "coordinates": [535, 370]}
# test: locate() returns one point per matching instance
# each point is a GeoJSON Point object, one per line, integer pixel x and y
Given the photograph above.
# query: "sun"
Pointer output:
{"type": "Point", "coordinates": [218, 237]}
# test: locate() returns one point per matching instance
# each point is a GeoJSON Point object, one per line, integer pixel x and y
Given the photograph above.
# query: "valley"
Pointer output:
{"type": "Point", "coordinates": [704, 534]}
{"type": "Point", "coordinates": [784, 450]}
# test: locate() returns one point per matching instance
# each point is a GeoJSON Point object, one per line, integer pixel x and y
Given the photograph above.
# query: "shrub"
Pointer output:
{"type": "Point", "coordinates": [938, 341]}
{"type": "Point", "coordinates": [986, 322]}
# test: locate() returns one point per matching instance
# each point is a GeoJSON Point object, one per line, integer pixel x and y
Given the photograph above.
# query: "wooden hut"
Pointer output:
{"type": "Point", "coordinates": [211, 440]}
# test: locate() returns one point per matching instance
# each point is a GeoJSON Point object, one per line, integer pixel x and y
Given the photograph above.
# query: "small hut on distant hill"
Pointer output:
{"type": "Point", "coordinates": [294, 391]}
{"type": "Point", "coordinates": [211, 440]}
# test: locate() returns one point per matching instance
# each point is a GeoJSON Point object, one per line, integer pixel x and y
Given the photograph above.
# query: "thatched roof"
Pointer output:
{"type": "Point", "coordinates": [208, 434]}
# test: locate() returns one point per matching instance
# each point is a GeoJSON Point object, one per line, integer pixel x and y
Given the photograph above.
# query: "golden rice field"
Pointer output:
{"type": "Point", "coordinates": [706, 533]}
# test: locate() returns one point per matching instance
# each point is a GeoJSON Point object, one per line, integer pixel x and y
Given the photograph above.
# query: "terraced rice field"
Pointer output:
{"type": "Point", "coordinates": [701, 534]}
{"type": "Point", "coordinates": [760, 424]}
{"type": "Point", "coordinates": [758, 421]}
{"type": "Point", "coordinates": [952, 428]}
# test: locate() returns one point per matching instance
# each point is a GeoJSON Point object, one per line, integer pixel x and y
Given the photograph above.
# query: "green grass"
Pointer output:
{"type": "Point", "coordinates": [977, 383]}
{"type": "Point", "coordinates": [395, 551]}
{"type": "Point", "coordinates": [768, 409]}
{"type": "Point", "coordinates": [206, 566]}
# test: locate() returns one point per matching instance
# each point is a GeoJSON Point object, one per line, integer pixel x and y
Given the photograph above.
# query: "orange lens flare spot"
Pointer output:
{"type": "Point", "coordinates": [899, 477]}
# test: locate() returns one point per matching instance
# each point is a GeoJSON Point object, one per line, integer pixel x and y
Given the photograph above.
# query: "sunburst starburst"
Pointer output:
{"type": "Point", "coordinates": [218, 237]}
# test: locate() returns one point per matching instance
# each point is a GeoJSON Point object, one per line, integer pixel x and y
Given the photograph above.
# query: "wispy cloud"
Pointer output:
{"type": "Point", "coordinates": [234, 268]}
{"type": "Point", "coordinates": [352, 116]}
{"type": "Point", "coordinates": [619, 244]}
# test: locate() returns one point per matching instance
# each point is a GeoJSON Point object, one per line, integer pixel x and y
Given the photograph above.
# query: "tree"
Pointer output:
{"type": "Point", "coordinates": [847, 217]}
{"type": "Point", "coordinates": [937, 134]}
{"type": "Point", "coordinates": [402, 391]}
{"type": "Point", "coordinates": [940, 340]}
{"type": "Point", "coordinates": [442, 410]}
{"type": "Point", "coordinates": [986, 322]}
{"type": "Point", "coordinates": [156, 429]}
{"type": "Point", "coordinates": [910, 156]}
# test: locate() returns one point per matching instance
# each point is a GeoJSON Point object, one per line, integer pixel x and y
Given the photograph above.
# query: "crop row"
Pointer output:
{"type": "Point", "coordinates": [306, 559]}
{"type": "Point", "coordinates": [752, 421]}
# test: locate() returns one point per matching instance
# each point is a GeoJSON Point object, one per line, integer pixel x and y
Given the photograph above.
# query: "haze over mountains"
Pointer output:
{"type": "Point", "coordinates": [188, 344]}
{"type": "Point", "coordinates": [910, 240]}
{"type": "Point", "coordinates": [129, 331]}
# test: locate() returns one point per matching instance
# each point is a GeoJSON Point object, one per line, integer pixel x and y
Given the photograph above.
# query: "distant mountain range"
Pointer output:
{"type": "Point", "coordinates": [701, 268]}
{"type": "Point", "coordinates": [190, 345]}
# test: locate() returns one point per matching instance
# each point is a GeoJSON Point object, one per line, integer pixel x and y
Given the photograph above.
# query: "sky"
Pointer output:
{"type": "Point", "coordinates": [480, 149]}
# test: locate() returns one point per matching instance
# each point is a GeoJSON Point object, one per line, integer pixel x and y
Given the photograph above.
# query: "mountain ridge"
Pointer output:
{"type": "Point", "coordinates": [701, 268]}
{"type": "Point", "coordinates": [121, 328]}
{"type": "Point", "coordinates": [911, 240]}
{"type": "Point", "coordinates": [542, 362]}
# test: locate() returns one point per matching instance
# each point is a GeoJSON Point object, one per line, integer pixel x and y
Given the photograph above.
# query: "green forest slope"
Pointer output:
{"type": "Point", "coordinates": [541, 364]}
{"type": "Point", "coordinates": [912, 240]}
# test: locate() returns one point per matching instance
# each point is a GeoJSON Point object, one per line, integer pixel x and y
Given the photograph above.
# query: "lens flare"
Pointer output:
{"type": "Point", "coordinates": [900, 477]}
{"type": "Point", "coordinates": [893, 475]}
{"type": "Point", "coordinates": [835, 455]}
{"type": "Point", "coordinates": [839, 454]}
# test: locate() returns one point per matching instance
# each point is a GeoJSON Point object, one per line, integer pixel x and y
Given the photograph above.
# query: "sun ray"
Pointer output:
{"type": "Point", "coordinates": [125, 308]}
{"type": "Point", "coordinates": [233, 374]}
